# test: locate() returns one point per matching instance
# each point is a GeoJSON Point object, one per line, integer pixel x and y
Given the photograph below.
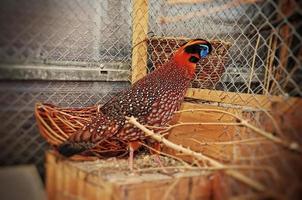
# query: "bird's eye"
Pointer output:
{"type": "Point", "coordinates": [194, 59]}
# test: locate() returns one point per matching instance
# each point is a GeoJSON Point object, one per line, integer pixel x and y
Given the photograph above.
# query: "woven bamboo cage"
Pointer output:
{"type": "Point", "coordinates": [208, 71]}
{"type": "Point", "coordinates": [57, 124]}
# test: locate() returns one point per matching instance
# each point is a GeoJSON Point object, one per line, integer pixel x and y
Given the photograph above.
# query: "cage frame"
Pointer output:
{"type": "Point", "coordinates": [139, 68]}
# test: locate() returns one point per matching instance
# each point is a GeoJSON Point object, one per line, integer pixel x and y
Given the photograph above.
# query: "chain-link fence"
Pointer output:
{"type": "Point", "coordinates": [257, 51]}
{"type": "Point", "coordinates": [20, 139]}
{"type": "Point", "coordinates": [57, 40]}
{"type": "Point", "coordinates": [58, 31]}
{"type": "Point", "coordinates": [263, 40]}
{"type": "Point", "coordinates": [64, 36]}
{"type": "Point", "coordinates": [256, 60]}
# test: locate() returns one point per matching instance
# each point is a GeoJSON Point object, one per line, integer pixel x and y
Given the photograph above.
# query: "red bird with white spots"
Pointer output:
{"type": "Point", "coordinates": [152, 100]}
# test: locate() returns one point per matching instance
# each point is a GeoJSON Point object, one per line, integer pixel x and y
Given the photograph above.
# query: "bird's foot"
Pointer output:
{"type": "Point", "coordinates": [132, 147]}
{"type": "Point", "coordinates": [160, 164]}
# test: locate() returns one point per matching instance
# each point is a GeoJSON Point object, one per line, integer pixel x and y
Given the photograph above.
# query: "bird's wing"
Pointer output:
{"type": "Point", "coordinates": [93, 134]}
{"type": "Point", "coordinates": [101, 128]}
{"type": "Point", "coordinates": [136, 101]}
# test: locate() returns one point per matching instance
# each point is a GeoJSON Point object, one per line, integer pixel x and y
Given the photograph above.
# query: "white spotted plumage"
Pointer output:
{"type": "Point", "coordinates": [152, 100]}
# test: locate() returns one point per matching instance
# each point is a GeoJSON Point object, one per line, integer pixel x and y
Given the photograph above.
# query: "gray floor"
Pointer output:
{"type": "Point", "coordinates": [22, 182]}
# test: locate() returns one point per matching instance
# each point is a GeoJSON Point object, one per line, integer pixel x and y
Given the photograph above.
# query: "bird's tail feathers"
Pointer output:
{"type": "Point", "coordinates": [71, 148]}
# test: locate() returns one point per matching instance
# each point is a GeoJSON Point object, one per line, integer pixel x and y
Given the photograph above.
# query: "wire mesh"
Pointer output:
{"type": "Point", "coordinates": [265, 38]}
{"type": "Point", "coordinates": [60, 31]}
{"type": "Point", "coordinates": [56, 34]}
{"type": "Point", "coordinates": [20, 139]}
{"type": "Point", "coordinates": [263, 60]}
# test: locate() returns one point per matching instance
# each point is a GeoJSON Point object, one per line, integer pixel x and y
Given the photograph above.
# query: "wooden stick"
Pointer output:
{"type": "Point", "coordinates": [270, 69]}
{"type": "Point", "coordinates": [275, 124]}
{"type": "Point", "coordinates": [234, 98]}
{"type": "Point", "coordinates": [168, 128]}
{"type": "Point", "coordinates": [139, 33]}
{"type": "Point", "coordinates": [253, 65]}
{"type": "Point", "coordinates": [268, 58]}
{"type": "Point", "coordinates": [203, 124]}
{"type": "Point", "coordinates": [174, 2]}
{"type": "Point", "coordinates": [57, 127]}
{"type": "Point", "coordinates": [294, 69]}
{"type": "Point", "coordinates": [245, 141]}
{"type": "Point", "coordinates": [170, 188]}
{"type": "Point", "coordinates": [63, 113]}
{"type": "Point", "coordinates": [237, 175]}
{"type": "Point", "coordinates": [289, 145]}
{"type": "Point", "coordinates": [53, 140]}
{"type": "Point", "coordinates": [261, 157]}
{"type": "Point", "coordinates": [270, 170]}
{"type": "Point", "coordinates": [286, 8]}
{"type": "Point", "coordinates": [70, 125]}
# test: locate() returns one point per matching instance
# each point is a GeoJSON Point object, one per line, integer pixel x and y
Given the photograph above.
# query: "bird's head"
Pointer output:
{"type": "Point", "coordinates": [191, 52]}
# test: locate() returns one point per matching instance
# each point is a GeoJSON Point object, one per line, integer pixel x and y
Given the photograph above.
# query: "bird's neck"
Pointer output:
{"type": "Point", "coordinates": [177, 69]}
{"type": "Point", "coordinates": [181, 61]}
{"type": "Point", "coordinates": [171, 74]}
{"type": "Point", "coordinates": [174, 74]}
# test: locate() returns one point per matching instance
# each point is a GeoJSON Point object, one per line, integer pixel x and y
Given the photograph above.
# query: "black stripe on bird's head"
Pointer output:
{"type": "Point", "coordinates": [197, 48]}
{"type": "Point", "coordinates": [191, 52]}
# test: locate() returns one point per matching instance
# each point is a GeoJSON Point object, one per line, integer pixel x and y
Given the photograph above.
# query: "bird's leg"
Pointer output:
{"type": "Point", "coordinates": [132, 147]}
{"type": "Point", "coordinates": [131, 150]}
{"type": "Point", "coordinates": [157, 159]}
{"type": "Point", "coordinates": [156, 147]}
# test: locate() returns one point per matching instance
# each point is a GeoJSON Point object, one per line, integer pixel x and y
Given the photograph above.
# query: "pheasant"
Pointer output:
{"type": "Point", "coordinates": [152, 100]}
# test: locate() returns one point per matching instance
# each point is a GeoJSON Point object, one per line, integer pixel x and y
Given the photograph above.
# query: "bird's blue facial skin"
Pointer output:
{"type": "Point", "coordinates": [204, 50]}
